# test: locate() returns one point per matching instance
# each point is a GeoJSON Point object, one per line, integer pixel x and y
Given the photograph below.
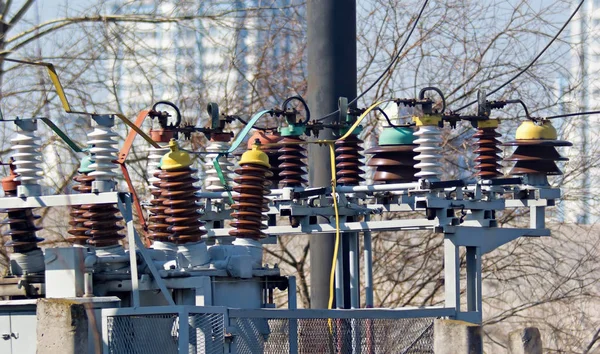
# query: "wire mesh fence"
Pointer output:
{"type": "Point", "coordinates": [160, 334]}
{"type": "Point", "coordinates": [340, 336]}
{"type": "Point", "coordinates": [222, 332]}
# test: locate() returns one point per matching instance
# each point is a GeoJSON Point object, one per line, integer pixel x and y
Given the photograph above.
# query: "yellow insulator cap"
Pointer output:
{"type": "Point", "coordinates": [529, 130]}
{"type": "Point", "coordinates": [255, 156]}
{"type": "Point", "coordinates": [488, 123]}
{"type": "Point", "coordinates": [427, 120]}
{"type": "Point", "coordinates": [175, 159]}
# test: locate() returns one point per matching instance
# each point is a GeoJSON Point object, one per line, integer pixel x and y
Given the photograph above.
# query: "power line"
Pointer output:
{"type": "Point", "coordinates": [534, 59]}
{"type": "Point", "coordinates": [398, 54]}
{"type": "Point", "coordinates": [573, 114]}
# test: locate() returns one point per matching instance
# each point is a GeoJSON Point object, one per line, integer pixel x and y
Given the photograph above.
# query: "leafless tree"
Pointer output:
{"type": "Point", "coordinates": [107, 63]}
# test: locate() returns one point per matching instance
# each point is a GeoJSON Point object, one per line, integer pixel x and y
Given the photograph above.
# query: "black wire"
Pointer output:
{"type": "Point", "coordinates": [297, 98]}
{"type": "Point", "coordinates": [573, 114]}
{"type": "Point", "coordinates": [328, 115]}
{"type": "Point", "coordinates": [524, 107]}
{"type": "Point", "coordinates": [533, 61]}
{"type": "Point", "coordinates": [392, 125]}
{"type": "Point", "coordinates": [398, 54]}
{"type": "Point", "coordinates": [172, 105]}
{"type": "Point", "coordinates": [439, 92]}
{"type": "Point", "coordinates": [284, 107]}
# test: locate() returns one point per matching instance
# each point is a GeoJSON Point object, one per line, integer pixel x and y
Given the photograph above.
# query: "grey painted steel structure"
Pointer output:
{"type": "Point", "coordinates": [331, 27]}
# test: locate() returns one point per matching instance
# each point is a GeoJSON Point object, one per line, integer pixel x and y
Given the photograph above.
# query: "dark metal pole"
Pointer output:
{"type": "Point", "coordinates": [331, 74]}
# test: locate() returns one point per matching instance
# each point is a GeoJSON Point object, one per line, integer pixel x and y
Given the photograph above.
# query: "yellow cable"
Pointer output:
{"type": "Point", "coordinates": [330, 144]}
{"type": "Point", "coordinates": [337, 225]}
{"type": "Point", "coordinates": [362, 116]}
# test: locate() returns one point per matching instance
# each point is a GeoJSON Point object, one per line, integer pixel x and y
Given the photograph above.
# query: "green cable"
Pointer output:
{"type": "Point", "coordinates": [236, 143]}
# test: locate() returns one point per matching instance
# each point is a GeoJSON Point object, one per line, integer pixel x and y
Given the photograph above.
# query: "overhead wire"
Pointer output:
{"type": "Point", "coordinates": [532, 62]}
{"type": "Point", "coordinates": [394, 60]}
{"type": "Point", "coordinates": [572, 114]}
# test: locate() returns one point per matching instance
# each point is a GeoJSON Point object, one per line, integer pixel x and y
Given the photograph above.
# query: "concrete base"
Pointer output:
{"type": "Point", "coordinates": [525, 341]}
{"type": "Point", "coordinates": [62, 327]}
{"type": "Point", "coordinates": [457, 337]}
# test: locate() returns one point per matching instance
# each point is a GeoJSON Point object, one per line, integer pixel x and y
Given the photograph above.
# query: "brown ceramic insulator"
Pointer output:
{"type": "Point", "coordinates": [22, 229]}
{"type": "Point", "coordinates": [265, 138]}
{"type": "Point", "coordinates": [103, 224]}
{"type": "Point", "coordinates": [274, 155]}
{"type": "Point", "coordinates": [181, 211]}
{"type": "Point", "coordinates": [393, 163]}
{"type": "Point", "coordinates": [487, 152]}
{"type": "Point", "coordinates": [252, 184]}
{"type": "Point", "coordinates": [10, 183]}
{"type": "Point", "coordinates": [157, 226]}
{"type": "Point", "coordinates": [291, 162]}
{"type": "Point", "coordinates": [536, 157]}
{"type": "Point", "coordinates": [348, 161]}
{"type": "Point", "coordinates": [78, 232]}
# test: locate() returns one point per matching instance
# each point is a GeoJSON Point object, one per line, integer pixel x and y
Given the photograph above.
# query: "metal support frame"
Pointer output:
{"type": "Point", "coordinates": [476, 242]}
{"type": "Point", "coordinates": [123, 201]}
{"type": "Point", "coordinates": [475, 235]}
{"type": "Point", "coordinates": [368, 260]}
{"type": "Point", "coordinates": [135, 245]}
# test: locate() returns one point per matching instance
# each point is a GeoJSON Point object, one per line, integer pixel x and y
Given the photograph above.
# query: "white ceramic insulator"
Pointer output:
{"type": "Point", "coordinates": [212, 183]}
{"type": "Point", "coordinates": [103, 152]}
{"type": "Point", "coordinates": [27, 157]}
{"type": "Point", "coordinates": [430, 152]}
{"type": "Point", "coordinates": [154, 156]}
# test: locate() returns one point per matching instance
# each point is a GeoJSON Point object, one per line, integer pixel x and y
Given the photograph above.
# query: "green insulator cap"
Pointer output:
{"type": "Point", "coordinates": [397, 136]}
{"type": "Point", "coordinates": [292, 130]}
{"type": "Point", "coordinates": [84, 165]}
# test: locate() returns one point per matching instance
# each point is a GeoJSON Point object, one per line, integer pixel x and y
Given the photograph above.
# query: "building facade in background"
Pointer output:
{"type": "Point", "coordinates": [200, 60]}
{"type": "Point", "coordinates": [582, 173]}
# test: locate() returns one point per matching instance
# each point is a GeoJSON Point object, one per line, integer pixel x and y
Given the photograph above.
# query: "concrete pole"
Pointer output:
{"type": "Point", "coordinates": [331, 74]}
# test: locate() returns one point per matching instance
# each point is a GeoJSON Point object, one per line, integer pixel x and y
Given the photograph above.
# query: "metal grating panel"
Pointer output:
{"type": "Point", "coordinates": [369, 336]}
{"type": "Point", "coordinates": [148, 334]}
{"type": "Point", "coordinates": [207, 333]}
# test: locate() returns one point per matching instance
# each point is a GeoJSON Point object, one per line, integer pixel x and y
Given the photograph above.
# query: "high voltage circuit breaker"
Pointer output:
{"type": "Point", "coordinates": [190, 277]}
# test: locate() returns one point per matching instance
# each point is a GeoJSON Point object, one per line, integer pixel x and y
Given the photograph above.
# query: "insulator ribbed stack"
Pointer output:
{"type": "Point", "coordinates": [22, 230]}
{"type": "Point", "coordinates": [159, 229]}
{"type": "Point", "coordinates": [103, 224]}
{"type": "Point", "coordinates": [487, 150]}
{"type": "Point", "coordinates": [212, 182]}
{"type": "Point", "coordinates": [182, 216]}
{"type": "Point", "coordinates": [348, 160]}
{"type": "Point", "coordinates": [393, 163]}
{"type": "Point", "coordinates": [291, 162]}
{"type": "Point", "coordinates": [154, 156]}
{"type": "Point", "coordinates": [536, 157]}
{"type": "Point", "coordinates": [250, 204]}
{"type": "Point", "coordinates": [103, 150]}
{"type": "Point", "coordinates": [429, 152]}
{"type": "Point", "coordinates": [78, 231]}
{"type": "Point", "coordinates": [27, 157]}
{"type": "Point", "coordinates": [536, 153]}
